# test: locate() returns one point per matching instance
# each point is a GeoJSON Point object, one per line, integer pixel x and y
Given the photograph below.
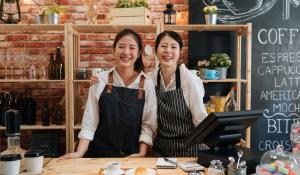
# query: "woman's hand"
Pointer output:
{"type": "Point", "coordinates": [137, 155]}
{"type": "Point", "coordinates": [93, 80]}
{"type": "Point", "coordinates": [73, 155]}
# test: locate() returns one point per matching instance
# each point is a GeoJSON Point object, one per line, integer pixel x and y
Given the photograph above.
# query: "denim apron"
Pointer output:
{"type": "Point", "coordinates": [120, 121]}
{"type": "Point", "coordinates": [174, 123]}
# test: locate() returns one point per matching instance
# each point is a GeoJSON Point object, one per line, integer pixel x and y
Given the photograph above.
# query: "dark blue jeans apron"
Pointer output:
{"type": "Point", "coordinates": [174, 123]}
{"type": "Point", "coordinates": [120, 121]}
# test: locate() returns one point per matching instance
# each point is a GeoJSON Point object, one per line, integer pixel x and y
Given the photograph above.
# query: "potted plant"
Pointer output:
{"type": "Point", "coordinates": [211, 14]}
{"type": "Point", "coordinates": [221, 62]}
{"type": "Point", "coordinates": [53, 12]}
{"type": "Point", "coordinates": [203, 65]}
{"type": "Point", "coordinates": [137, 14]}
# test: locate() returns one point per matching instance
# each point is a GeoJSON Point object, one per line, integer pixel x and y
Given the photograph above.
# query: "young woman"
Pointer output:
{"type": "Point", "coordinates": [120, 115]}
{"type": "Point", "coordinates": [179, 98]}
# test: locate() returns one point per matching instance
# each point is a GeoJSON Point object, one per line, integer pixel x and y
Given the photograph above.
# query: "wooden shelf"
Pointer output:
{"type": "Point", "coordinates": [4, 28]}
{"type": "Point", "coordinates": [81, 81]}
{"type": "Point", "coordinates": [94, 28]}
{"type": "Point", "coordinates": [226, 81]}
{"type": "Point", "coordinates": [30, 81]}
{"type": "Point", "coordinates": [204, 27]}
{"type": "Point", "coordinates": [38, 127]}
{"type": "Point", "coordinates": [78, 126]}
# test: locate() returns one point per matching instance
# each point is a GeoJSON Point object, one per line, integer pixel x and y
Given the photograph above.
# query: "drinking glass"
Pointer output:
{"type": "Point", "coordinates": [4, 62]}
{"type": "Point", "coordinates": [43, 62]}
{"type": "Point", "coordinates": [91, 12]}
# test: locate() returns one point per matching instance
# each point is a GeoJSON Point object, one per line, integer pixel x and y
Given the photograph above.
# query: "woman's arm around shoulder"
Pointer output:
{"type": "Point", "coordinates": [149, 120]}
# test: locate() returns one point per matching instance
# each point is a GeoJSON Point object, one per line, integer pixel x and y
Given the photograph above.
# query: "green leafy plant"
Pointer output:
{"type": "Point", "coordinates": [220, 60]}
{"type": "Point", "coordinates": [131, 4]}
{"type": "Point", "coordinates": [210, 9]}
{"type": "Point", "coordinates": [55, 9]}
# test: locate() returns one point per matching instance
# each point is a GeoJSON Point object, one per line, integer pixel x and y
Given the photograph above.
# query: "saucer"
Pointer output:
{"type": "Point", "coordinates": [120, 172]}
{"type": "Point", "coordinates": [132, 170]}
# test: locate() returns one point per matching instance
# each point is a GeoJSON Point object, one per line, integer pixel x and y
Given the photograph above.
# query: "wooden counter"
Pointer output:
{"type": "Point", "coordinates": [91, 166]}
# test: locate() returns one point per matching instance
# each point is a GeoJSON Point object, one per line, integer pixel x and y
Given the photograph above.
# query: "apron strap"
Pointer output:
{"type": "Point", "coordinates": [110, 82]}
{"type": "Point", "coordinates": [177, 77]}
{"type": "Point", "coordinates": [141, 87]}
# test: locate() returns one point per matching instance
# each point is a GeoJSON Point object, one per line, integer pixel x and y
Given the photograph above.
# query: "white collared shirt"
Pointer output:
{"type": "Point", "coordinates": [91, 114]}
{"type": "Point", "coordinates": [193, 91]}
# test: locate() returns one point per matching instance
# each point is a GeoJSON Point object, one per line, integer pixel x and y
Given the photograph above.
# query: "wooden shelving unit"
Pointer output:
{"type": "Point", "coordinates": [43, 29]}
{"type": "Point", "coordinates": [240, 31]}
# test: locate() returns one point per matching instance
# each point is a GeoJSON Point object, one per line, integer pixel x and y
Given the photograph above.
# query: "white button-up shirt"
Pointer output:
{"type": "Point", "coordinates": [193, 91]}
{"type": "Point", "coordinates": [91, 114]}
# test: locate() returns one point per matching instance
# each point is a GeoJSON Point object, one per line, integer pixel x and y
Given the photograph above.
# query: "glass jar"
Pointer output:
{"type": "Point", "coordinates": [295, 139]}
{"type": "Point", "coordinates": [215, 168]}
{"type": "Point", "coordinates": [278, 161]}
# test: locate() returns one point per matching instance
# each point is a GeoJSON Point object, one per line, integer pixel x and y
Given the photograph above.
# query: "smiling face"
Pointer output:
{"type": "Point", "coordinates": [168, 52]}
{"type": "Point", "coordinates": [126, 51]}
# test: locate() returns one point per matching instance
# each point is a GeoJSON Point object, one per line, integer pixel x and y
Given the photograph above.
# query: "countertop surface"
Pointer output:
{"type": "Point", "coordinates": [91, 166]}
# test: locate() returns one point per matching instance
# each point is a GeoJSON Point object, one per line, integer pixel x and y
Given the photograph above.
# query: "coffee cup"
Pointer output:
{"type": "Point", "coordinates": [34, 161]}
{"type": "Point", "coordinates": [211, 74]}
{"type": "Point", "coordinates": [113, 168]}
{"type": "Point", "coordinates": [10, 164]}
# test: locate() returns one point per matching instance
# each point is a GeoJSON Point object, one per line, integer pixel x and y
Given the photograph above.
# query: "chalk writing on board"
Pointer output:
{"type": "Point", "coordinates": [236, 11]}
{"type": "Point", "coordinates": [278, 71]}
{"type": "Point", "coordinates": [279, 114]}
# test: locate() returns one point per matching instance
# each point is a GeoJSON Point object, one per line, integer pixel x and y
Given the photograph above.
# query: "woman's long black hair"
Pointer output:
{"type": "Point", "coordinates": [138, 65]}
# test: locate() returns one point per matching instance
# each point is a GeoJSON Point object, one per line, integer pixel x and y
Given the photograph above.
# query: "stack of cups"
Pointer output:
{"type": "Point", "coordinates": [10, 164]}
{"type": "Point", "coordinates": [34, 161]}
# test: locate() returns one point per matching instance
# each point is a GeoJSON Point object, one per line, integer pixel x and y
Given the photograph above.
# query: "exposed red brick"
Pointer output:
{"type": "Point", "coordinates": [87, 43]}
{"type": "Point", "coordinates": [35, 44]}
{"type": "Point", "coordinates": [2, 37]}
{"type": "Point", "coordinates": [103, 36]}
{"type": "Point", "coordinates": [17, 37]}
{"type": "Point", "coordinates": [54, 44]}
{"type": "Point", "coordinates": [64, 2]}
{"type": "Point", "coordinates": [104, 44]}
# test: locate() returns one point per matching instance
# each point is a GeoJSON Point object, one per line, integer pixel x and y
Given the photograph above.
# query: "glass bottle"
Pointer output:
{"type": "Point", "coordinates": [45, 114]}
{"type": "Point", "coordinates": [58, 115]}
{"type": "Point", "coordinates": [13, 133]}
{"type": "Point", "coordinates": [59, 66]}
{"type": "Point", "coordinates": [29, 109]}
{"type": "Point", "coordinates": [53, 114]}
{"type": "Point", "coordinates": [51, 73]}
{"type": "Point", "coordinates": [1, 104]}
{"type": "Point", "coordinates": [6, 106]}
{"type": "Point", "coordinates": [231, 104]}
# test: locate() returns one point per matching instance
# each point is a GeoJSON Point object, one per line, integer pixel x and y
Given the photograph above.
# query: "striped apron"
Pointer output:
{"type": "Point", "coordinates": [174, 123]}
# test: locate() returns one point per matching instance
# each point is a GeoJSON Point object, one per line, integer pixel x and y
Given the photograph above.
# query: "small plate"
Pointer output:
{"type": "Point", "coordinates": [120, 172]}
{"type": "Point", "coordinates": [149, 171]}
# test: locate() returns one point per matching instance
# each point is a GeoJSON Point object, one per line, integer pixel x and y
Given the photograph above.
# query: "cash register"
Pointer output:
{"type": "Point", "coordinates": [221, 132]}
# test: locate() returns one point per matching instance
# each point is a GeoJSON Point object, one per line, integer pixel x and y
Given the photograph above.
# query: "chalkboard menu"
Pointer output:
{"type": "Point", "coordinates": [275, 61]}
